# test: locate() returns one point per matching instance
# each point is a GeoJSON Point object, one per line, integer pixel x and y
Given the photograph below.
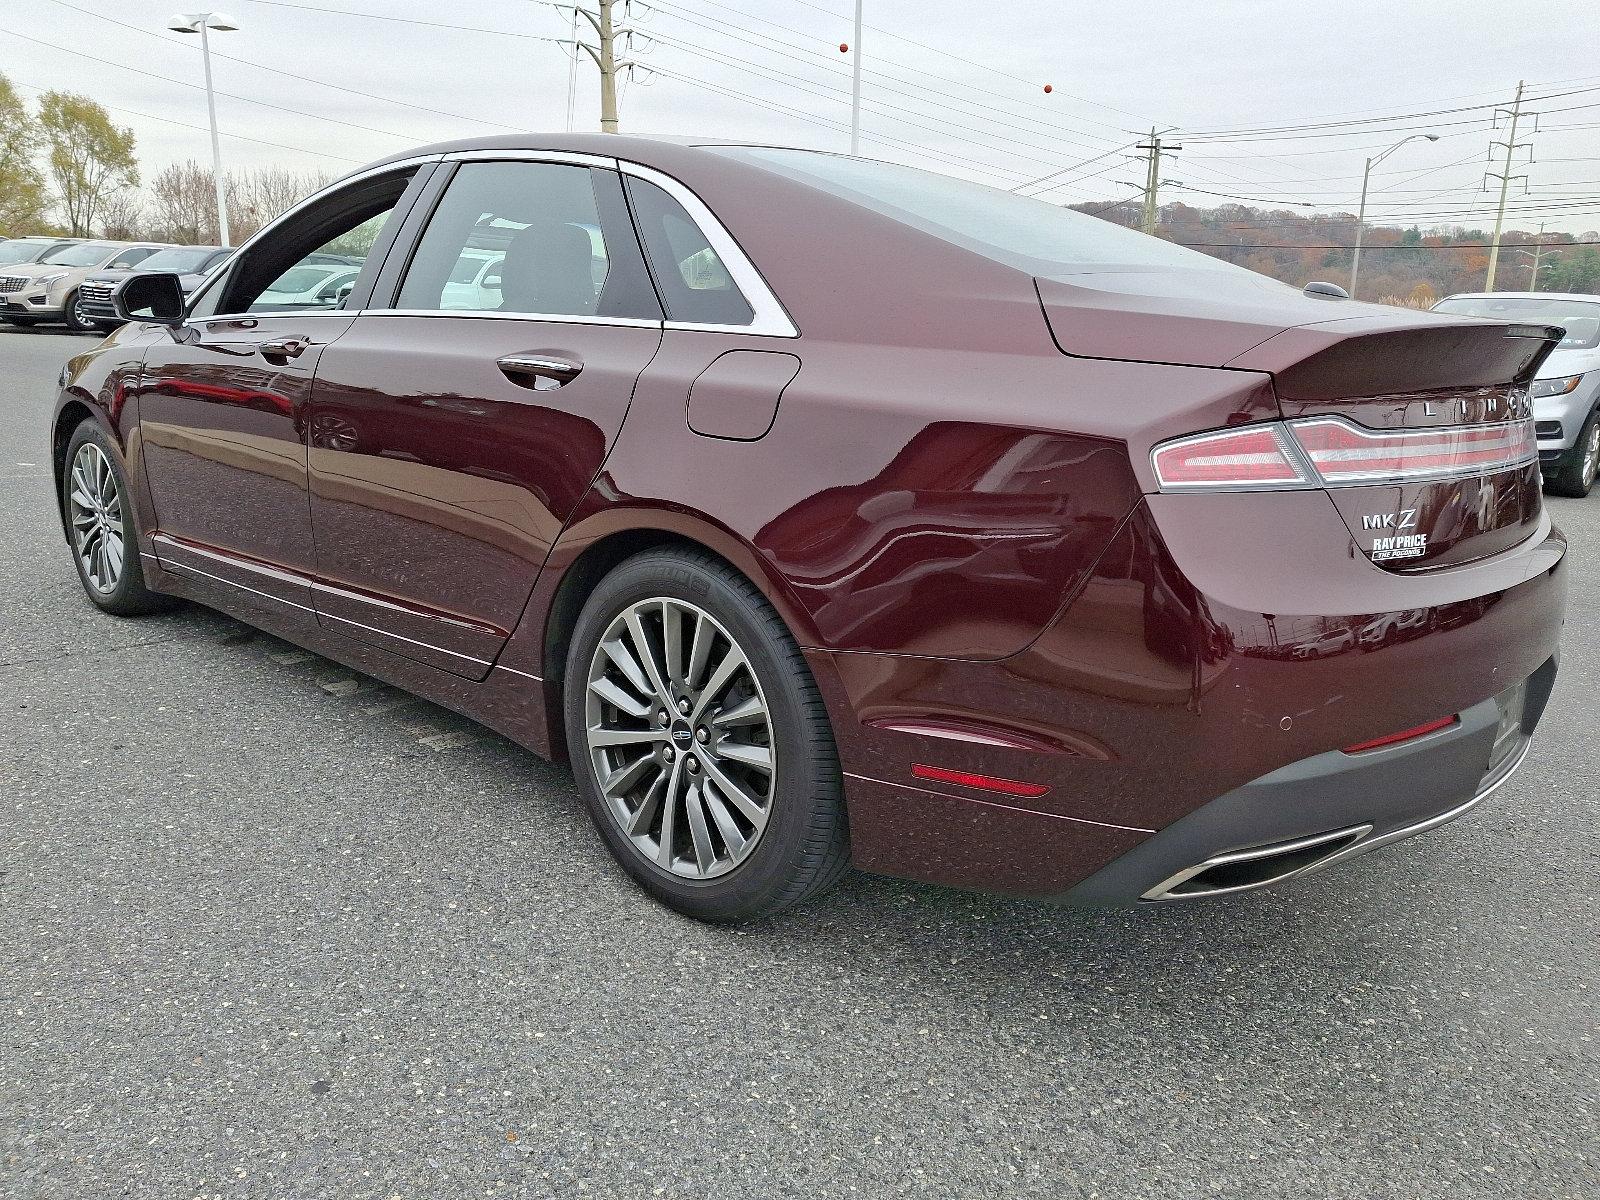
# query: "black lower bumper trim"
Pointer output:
{"type": "Point", "coordinates": [1322, 810]}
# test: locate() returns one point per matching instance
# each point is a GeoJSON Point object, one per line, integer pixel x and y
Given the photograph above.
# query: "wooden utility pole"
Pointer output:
{"type": "Point", "coordinates": [1152, 178]}
{"type": "Point", "coordinates": [607, 62]}
{"type": "Point", "coordinates": [1505, 177]}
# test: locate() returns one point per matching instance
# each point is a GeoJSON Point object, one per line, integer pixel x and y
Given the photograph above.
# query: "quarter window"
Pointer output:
{"type": "Point", "coordinates": [694, 283]}
{"type": "Point", "coordinates": [540, 239]}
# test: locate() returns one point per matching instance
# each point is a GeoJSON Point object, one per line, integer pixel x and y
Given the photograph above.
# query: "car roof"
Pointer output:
{"type": "Point", "coordinates": [1521, 296]}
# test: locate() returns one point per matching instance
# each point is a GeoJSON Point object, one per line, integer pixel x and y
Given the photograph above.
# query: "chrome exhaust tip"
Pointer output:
{"type": "Point", "coordinates": [1257, 867]}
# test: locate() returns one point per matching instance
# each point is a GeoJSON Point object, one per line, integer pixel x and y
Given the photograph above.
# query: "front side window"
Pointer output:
{"type": "Point", "coordinates": [311, 261]}
{"type": "Point", "coordinates": [541, 239]}
{"type": "Point", "coordinates": [695, 285]}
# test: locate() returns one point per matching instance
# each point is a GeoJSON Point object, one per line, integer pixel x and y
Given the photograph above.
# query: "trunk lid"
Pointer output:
{"type": "Point", "coordinates": [1418, 422]}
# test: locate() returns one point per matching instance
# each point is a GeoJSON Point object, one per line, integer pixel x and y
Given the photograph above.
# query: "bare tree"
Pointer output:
{"type": "Point", "coordinates": [185, 204]}
{"type": "Point", "coordinates": [122, 216]}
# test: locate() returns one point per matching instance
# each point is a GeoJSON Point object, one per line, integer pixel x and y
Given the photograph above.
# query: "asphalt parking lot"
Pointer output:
{"type": "Point", "coordinates": [271, 929]}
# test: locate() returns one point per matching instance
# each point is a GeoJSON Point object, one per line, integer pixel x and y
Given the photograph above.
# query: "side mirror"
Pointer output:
{"type": "Point", "coordinates": [343, 295]}
{"type": "Point", "coordinates": [156, 297]}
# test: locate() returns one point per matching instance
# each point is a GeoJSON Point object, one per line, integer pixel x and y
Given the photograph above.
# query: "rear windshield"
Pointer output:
{"type": "Point", "coordinates": [84, 254]}
{"type": "Point", "coordinates": [182, 261]}
{"type": "Point", "coordinates": [1032, 235]}
{"type": "Point", "coordinates": [1580, 318]}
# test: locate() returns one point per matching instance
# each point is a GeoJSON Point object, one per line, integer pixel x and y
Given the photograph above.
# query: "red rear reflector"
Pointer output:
{"type": "Point", "coordinates": [1252, 456]}
{"type": "Point", "coordinates": [1346, 453]}
{"type": "Point", "coordinates": [989, 783]}
{"type": "Point", "coordinates": [1405, 735]}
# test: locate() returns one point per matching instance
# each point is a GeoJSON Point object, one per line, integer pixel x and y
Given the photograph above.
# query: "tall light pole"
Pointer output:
{"type": "Point", "coordinates": [203, 23]}
{"type": "Point", "coordinates": [1361, 215]}
{"type": "Point", "coordinates": [855, 86]}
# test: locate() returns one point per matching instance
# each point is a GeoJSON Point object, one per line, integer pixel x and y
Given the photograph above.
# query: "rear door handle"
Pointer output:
{"type": "Point", "coordinates": [283, 348]}
{"type": "Point", "coordinates": [539, 371]}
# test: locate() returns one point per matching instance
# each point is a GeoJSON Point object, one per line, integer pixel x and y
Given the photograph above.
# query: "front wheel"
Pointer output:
{"type": "Point", "coordinates": [105, 544]}
{"type": "Point", "coordinates": [1575, 474]}
{"type": "Point", "coordinates": [700, 742]}
{"type": "Point", "coordinates": [77, 319]}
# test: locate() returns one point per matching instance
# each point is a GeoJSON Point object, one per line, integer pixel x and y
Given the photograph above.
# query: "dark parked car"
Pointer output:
{"type": "Point", "coordinates": [191, 264]}
{"type": "Point", "coordinates": [850, 514]}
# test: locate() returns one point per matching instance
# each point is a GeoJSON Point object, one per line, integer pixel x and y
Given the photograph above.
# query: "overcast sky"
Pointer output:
{"type": "Point", "coordinates": [969, 98]}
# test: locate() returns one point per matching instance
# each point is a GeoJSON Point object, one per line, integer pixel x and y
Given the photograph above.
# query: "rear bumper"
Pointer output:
{"type": "Point", "coordinates": [1321, 811]}
{"type": "Point", "coordinates": [1166, 706]}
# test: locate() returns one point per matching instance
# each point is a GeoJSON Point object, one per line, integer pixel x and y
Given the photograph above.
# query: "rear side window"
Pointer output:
{"type": "Point", "coordinates": [695, 284]}
{"type": "Point", "coordinates": [531, 238]}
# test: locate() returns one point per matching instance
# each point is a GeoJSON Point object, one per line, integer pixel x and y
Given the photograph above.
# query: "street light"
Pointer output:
{"type": "Point", "coordinates": [1361, 216]}
{"type": "Point", "coordinates": [203, 23]}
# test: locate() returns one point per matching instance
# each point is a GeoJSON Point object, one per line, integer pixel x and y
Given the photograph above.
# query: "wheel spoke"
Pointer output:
{"type": "Point", "coordinates": [723, 819]}
{"type": "Point", "coordinates": [700, 649]}
{"type": "Point", "coordinates": [669, 813]}
{"type": "Point", "coordinates": [759, 757]}
{"type": "Point", "coordinates": [599, 736]}
{"type": "Point", "coordinates": [612, 693]}
{"type": "Point", "coordinates": [641, 644]}
{"type": "Point", "coordinates": [627, 664]}
{"type": "Point", "coordinates": [736, 795]}
{"type": "Point", "coordinates": [625, 777]}
{"type": "Point", "coordinates": [747, 712]}
{"type": "Point", "coordinates": [639, 823]}
{"type": "Point", "coordinates": [720, 678]}
{"type": "Point", "coordinates": [672, 641]}
{"type": "Point", "coordinates": [704, 854]}
{"type": "Point", "coordinates": [113, 553]}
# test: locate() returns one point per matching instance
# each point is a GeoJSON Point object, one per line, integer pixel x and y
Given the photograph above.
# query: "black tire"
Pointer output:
{"type": "Point", "coordinates": [1576, 469]}
{"type": "Point", "coordinates": [76, 321]}
{"type": "Point", "coordinates": [804, 846]}
{"type": "Point", "coordinates": [129, 597]}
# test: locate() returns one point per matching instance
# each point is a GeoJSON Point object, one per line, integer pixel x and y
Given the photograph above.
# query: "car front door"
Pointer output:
{"type": "Point", "coordinates": [223, 403]}
{"type": "Point", "coordinates": [453, 433]}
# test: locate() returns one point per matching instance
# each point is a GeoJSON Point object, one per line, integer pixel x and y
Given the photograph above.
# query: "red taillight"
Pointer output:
{"type": "Point", "coordinates": [1405, 735]}
{"type": "Point", "coordinates": [1334, 452]}
{"type": "Point", "coordinates": [1254, 456]}
{"type": "Point", "coordinates": [988, 783]}
{"type": "Point", "coordinates": [1346, 453]}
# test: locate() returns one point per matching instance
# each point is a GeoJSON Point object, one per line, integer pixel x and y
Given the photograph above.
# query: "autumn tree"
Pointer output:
{"type": "Point", "coordinates": [184, 204]}
{"type": "Point", "coordinates": [23, 202]}
{"type": "Point", "coordinates": [90, 158]}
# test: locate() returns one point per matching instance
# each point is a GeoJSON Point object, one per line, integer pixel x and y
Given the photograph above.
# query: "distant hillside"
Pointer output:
{"type": "Point", "coordinates": [1408, 266]}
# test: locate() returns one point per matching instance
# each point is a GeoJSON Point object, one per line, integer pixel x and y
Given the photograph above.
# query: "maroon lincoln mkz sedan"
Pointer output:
{"type": "Point", "coordinates": [828, 512]}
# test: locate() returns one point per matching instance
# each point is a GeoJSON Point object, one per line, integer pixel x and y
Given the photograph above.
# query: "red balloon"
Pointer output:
{"type": "Point", "coordinates": [1048, 88]}
{"type": "Point", "coordinates": [844, 47]}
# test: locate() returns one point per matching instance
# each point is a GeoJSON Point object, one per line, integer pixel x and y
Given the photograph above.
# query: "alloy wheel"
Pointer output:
{"type": "Point", "coordinates": [680, 738]}
{"type": "Point", "coordinates": [97, 522]}
{"type": "Point", "coordinates": [80, 320]}
{"type": "Point", "coordinates": [1591, 454]}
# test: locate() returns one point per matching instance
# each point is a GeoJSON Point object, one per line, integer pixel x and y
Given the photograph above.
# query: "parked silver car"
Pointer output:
{"type": "Point", "coordinates": [47, 290]}
{"type": "Point", "coordinates": [1566, 394]}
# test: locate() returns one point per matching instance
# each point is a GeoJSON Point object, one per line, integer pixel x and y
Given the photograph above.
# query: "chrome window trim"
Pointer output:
{"type": "Point", "coordinates": [337, 184]}
{"type": "Point", "coordinates": [771, 318]}
{"type": "Point", "coordinates": [568, 157]}
{"type": "Point", "coordinates": [497, 315]}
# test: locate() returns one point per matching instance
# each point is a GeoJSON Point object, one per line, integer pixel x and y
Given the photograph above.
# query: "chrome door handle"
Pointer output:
{"type": "Point", "coordinates": [283, 347]}
{"type": "Point", "coordinates": [545, 373]}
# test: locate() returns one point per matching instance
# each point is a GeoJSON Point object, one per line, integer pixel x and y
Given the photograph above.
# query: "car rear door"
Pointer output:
{"type": "Point", "coordinates": [223, 402]}
{"type": "Point", "coordinates": [453, 432]}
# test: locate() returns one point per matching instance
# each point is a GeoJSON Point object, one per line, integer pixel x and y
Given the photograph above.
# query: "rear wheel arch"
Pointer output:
{"type": "Point", "coordinates": [603, 556]}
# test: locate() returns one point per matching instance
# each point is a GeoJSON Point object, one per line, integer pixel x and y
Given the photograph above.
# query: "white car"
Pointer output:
{"type": "Point", "coordinates": [1566, 394]}
{"type": "Point", "coordinates": [307, 286]}
{"type": "Point", "coordinates": [474, 281]}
